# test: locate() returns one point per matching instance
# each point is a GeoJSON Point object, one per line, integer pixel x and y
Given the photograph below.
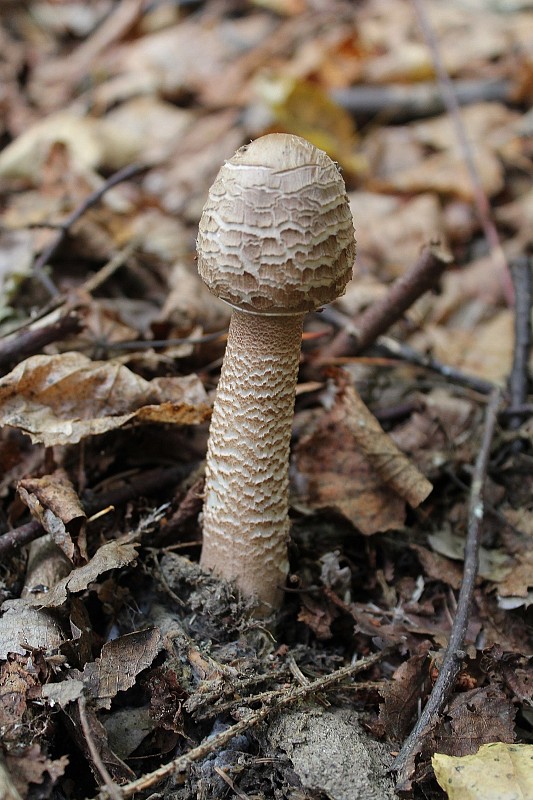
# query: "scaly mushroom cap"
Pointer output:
{"type": "Point", "coordinates": [276, 234]}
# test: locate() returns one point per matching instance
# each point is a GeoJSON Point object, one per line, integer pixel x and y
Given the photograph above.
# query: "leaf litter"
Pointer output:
{"type": "Point", "coordinates": [123, 667]}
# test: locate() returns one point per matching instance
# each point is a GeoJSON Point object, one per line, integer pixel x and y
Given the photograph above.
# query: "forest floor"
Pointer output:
{"type": "Point", "coordinates": [126, 670]}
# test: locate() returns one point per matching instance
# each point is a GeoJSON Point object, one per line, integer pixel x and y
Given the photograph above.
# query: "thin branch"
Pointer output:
{"type": "Point", "coordinates": [18, 347]}
{"type": "Point", "coordinates": [521, 272]}
{"type": "Point", "coordinates": [480, 197]}
{"type": "Point", "coordinates": [111, 787]}
{"type": "Point", "coordinates": [379, 317]}
{"type": "Point", "coordinates": [146, 483]}
{"type": "Point", "coordinates": [411, 356]}
{"type": "Point", "coordinates": [454, 655]}
{"type": "Point", "coordinates": [90, 201]}
{"type": "Point", "coordinates": [183, 762]}
{"type": "Point", "coordinates": [404, 102]}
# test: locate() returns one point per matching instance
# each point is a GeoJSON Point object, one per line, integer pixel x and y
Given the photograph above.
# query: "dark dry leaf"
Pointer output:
{"type": "Point", "coordinates": [110, 556]}
{"type": "Point", "coordinates": [119, 771]}
{"type": "Point", "coordinates": [474, 718]}
{"type": "Point", "coordinates": [119, 664]}
{"type": "Point", "coordinates": [63, 399]}
{"type": "Point", "coordinates": [16, 685]}
{"type": "Point", "coordinates": [402, 696]}
{"type": "Point", "coordinates": [348, 463]}
{"type": "Point", "coordinates": [31, 766]}
{"type": "Point", "coordinates": [53, 500]}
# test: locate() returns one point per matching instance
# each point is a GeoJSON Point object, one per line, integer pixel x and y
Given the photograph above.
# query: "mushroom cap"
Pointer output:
{"type": "Point", "coordinates": [276, 234]}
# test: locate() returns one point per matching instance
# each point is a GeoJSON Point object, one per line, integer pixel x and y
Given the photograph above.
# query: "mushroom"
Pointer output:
{"type": "Point", "coordinates": [275, 241]}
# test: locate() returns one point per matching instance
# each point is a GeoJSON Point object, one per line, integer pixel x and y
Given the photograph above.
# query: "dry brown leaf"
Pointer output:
{"type": "Point", "coordinates": [112, 555]}
{"type": "Point", "coordinates": [53, 501]}
{"type": "Point", "coordinates": [447, 174]}
{"type": "Point", "coordinates": [318, 617]}
{"type": "Point", "coordinates": [474, 718]}
{"type": "Point", "coordinates": [119, 663]}
{"type": "Point", "coordinates": [438, 432]}
{"type": "Point", "coordinates": [65, 398]}
{"type": "Point", "coordinates": [517, 587]}
{"type": "Point", "coordinates": [24, 629]}
{"type": "Point", "coordinates": [350, 464]}
{"type": "Point", "coordinates": [16, 684]}
{"type": "Point", "coordinates": [478, 284]}
{"type": "Point", "coordinates": [393, 466]}
{"type": "Point", "coordinates": [91, 143]}
{"type": "Point", "coordinates": [31, 766]}
{"type": "Point", "coordinates": [391, 231]}
{"type": "Point", "coordinates": [154, 127]}
{"type": "Point", "coordinates": [331, 472]}
{"type": "Point", "coordinates": [484, 349]}
{"type": "Point", "coordinates": [401, 697]}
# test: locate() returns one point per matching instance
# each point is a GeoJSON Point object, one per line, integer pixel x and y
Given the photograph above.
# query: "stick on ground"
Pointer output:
{"type": "Point", "coordinates": [404, 763]}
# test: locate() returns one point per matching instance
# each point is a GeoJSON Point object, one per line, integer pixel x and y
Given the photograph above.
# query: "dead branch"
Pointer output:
{"type": "Point", "coordinates": [18, 347]}
{"type": "Point", "coordinates": [404, 763]}
{"type": "Point", "coordinates": [401, 103]}
{"type": "Point", "coordinates": [290, 696]}
{"type": "Point", "coordinates": [521, 271]}
{"type": "Point", "coordinates": [64, 227]}
{"type": "Point", "coordinates": [378, 318]}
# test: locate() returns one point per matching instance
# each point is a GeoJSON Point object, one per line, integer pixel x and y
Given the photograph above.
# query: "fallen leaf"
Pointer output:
{"type": "Point", "coordinates": [63, 399]}
{"type": "Point", "coordinates": [24, 629]}
{"type": "Point", "coordinates": [474, 718]}
{"type": "Point", "coordinates": [92, 143]}
{"type": "Point", "coordinates": [119, 663]}
{"type": "Point", "coordinates": [31, 766]}
{"type": "Point", "coordinates": [112, 555]}
{"type": "Point", "coordinates": [494, 564]}
{"type": "Point", "coordinates": [402, 695]}
{"type": "Point", "coordinates": [53, 501]}
{"type": "Point", "coordinates": [16, 684]}
{"type": "Point", "coordinates": [496, 772]}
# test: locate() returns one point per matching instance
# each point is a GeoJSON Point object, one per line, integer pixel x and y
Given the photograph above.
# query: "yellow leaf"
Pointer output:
{"type": "Point", "coordinates": [496, 772]}
{"type": "Point", "coordinates": [305, 109]}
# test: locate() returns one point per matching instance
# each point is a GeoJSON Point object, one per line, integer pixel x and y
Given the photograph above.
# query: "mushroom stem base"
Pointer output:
{"type": "Point", "coordinates": [245, 518]}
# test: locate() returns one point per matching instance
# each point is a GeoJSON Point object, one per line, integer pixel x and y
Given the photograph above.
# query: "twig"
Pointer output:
{"type": "Point", "coordinates": [103, 274]}
{"type": "Point", "coordinates": [18, 347]}
{"type": "Point", "coordinates": [184, 761]}
{"type": "Point", "coordinates": [20, 536]}
{"type": "Point", "coordinates": [518, 380]}
{"type": "Point", "coordinates": [91, 200]}
{"type": "Point", "coordinates": [403, 102]}
{"type": "Point", "coordinates": [412, 356]}
{"type": "Point", "coordinates": [111, 787]}
{"type": "Point", "coordinates": [480, 197]}
{"type": "Point", "coordinates": [454, 655]}
{"type": "Point", "coordinates": [378, 318]}
{"type": "Point", "coordinates": [145, 482]}
{"type": "Point", "coordinates": [226, 778]}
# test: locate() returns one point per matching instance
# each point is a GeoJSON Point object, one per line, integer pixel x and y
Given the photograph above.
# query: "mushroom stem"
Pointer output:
{"type": "Point", "coordinates": [245, 522]}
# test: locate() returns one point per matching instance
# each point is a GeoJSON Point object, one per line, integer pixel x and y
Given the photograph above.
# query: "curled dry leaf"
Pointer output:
{"type": "Point", "coordinates": [55, 503]}
{"type": "Point", "coordinates": [112, 555]}
{"type": "Point", "coordinates": [65, 398]}
{"type": "Point", "coordinates": [350, 464]}
{"type": "Point", "coordinates": [91, 143]}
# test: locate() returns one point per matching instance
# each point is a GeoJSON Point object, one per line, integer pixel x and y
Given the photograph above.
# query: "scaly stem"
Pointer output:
{"type": "Point", "coordinates": [245, 521]}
